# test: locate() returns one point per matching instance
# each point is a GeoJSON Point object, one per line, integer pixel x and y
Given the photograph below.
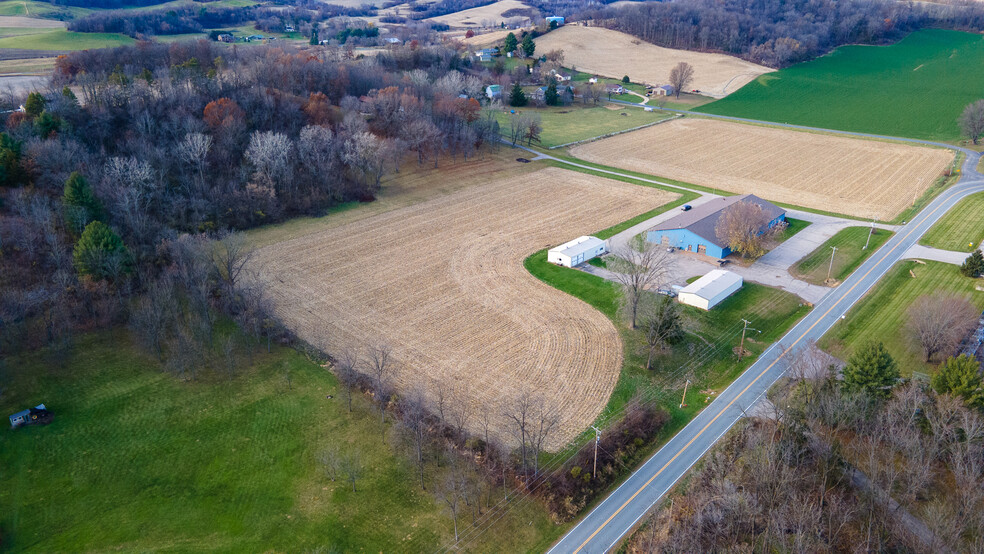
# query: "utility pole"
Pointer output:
{"type": "Point", "coordinates": [683, 401]}
{"type": "Point", "coordinates": [594, 472]}
{"type": "Point", "coordinates": [871, 232]}
{"type": "Point", "coordinates": [741, 347]}
{"type": "Point", "coordinates": [831, 266]}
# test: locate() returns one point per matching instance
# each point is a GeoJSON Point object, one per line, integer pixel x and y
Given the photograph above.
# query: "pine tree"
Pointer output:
{"type": "Point", "coordinates": [961, 377]}
{"type": "Point", "coordinates": [100, 252]}
{"type": "Point", "coordinates": [510, 43]}
{"type": "Point", "coordinates": [871, 369]}
{"type": "Point", "coordinates": [529, 47]}
{"type": "Point", "coordinates": [79, 203]}
{"type": "Point", "coordinates": [973, 266]}
{"type": "Point", "coordinates": [517, 97]}
{"type": "Point", "coordinates": [314, 35]}
{"type": "Point", "coordinates": [34, 104]}
{"type": "Point", "coordinates": [12, 173]}
{"type": "Point", "coordinates": [550, 96]}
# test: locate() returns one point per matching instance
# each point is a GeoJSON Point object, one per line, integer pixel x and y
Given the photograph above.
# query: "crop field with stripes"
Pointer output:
{"type": "Point", "coordinates": [861, 178]}
{"type": "Point", "coordinates": [442, 284]}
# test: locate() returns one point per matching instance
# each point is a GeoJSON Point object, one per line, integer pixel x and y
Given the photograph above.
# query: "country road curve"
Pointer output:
{"type": "Point", "coordinates": [604, 527]}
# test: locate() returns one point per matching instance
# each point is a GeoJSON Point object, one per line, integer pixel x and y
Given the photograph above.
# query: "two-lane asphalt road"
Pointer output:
{"type": "Point", "coordinates": [605, 526]}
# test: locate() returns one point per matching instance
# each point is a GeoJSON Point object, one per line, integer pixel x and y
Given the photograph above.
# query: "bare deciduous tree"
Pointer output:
{"type": "Point", "coordinates": [938, 322]}
{"type": "Point", "coordinates": [379, 362]}
{"type": "Point", "coordinates": [681, 76]}
{"type": "Point", "coordinates": [413, 419]}
{"type": "Point", "coordinates": [638, 267]}
{"type": "Point", "coordinates": [232, 257]}
{"type": "Point", "coordinates": [520, 413]}
{"type": "Point", "coordinates": [452, 490]}
{"type": "Point", "coordinates": [346, 369]}
{"type": "Point", "coordinates": [661, 324]}
{"type": "Point", "coordinates": [352, 467]}
{"type": "Point", "coordinates": [972, 120]}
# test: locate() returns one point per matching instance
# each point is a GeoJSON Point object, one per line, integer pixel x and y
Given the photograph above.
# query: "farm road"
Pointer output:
{"type": "Point", "coordinates": [617, 515]}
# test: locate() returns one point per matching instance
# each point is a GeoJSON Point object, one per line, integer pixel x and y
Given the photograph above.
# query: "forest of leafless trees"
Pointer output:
{"type": "Point", "coordinates": [778, 33]}
{"type": "Point", "coordinates": [823, 469]}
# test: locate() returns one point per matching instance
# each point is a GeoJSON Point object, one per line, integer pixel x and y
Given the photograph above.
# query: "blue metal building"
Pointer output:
{"type": "Point", "coordinates": [694, 230]}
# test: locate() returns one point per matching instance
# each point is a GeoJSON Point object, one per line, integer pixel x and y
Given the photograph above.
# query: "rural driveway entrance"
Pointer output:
{"type": "Point", "coordinates": [926, 253]}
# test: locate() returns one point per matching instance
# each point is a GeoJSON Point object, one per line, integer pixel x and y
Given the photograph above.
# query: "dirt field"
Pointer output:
{"type": "Point", "coordinates": [17, 21]}
{"type": "Point", "coordinates": [443, 284]}
{"type": "Point", "coordinates": [480, 16]}
{"type": "Point", "coordinates": [485, 39]}
{"type": "Point", "coordinates": [857, 177]}
{"type": "Point", "coordinates": [614, 54]}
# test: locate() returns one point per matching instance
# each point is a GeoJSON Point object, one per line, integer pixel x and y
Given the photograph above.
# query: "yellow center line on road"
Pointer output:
{"type": "Point", "coordinates": [764, 371]}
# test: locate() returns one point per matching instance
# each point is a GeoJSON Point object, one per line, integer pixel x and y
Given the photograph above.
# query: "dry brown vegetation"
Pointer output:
{"type": "Point", "coordinates": [863, 178]}
{"type": "Point", "coordinates": [614, 54]}
{"type": "Point", "coordinates": [442, 284]}
{"type": "Point", "coordinates": [478, 17]}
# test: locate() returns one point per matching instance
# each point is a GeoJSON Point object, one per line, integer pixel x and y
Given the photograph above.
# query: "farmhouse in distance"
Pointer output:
{"type": "Point", "coordinates": [694, 231]}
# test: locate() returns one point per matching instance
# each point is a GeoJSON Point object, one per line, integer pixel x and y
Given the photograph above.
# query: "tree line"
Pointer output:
{"type": "Point", "coordinates": [778, 33]}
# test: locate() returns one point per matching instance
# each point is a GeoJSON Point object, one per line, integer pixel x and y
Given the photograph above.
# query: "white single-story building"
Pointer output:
{"type": "Point", "coordinates": [710, 290]}
{"type": "Point", "coordinates": [577, 251]}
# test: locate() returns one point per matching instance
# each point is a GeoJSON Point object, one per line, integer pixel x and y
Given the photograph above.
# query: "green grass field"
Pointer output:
{"type": "Point", "coordinates": [850, 254]}
{"type": "Point", "coordinates": [138, 460]}
{"type": "Point", "coordinates": [65, 40]}
{"type": "Point", "coordinates": [31, 8]}
{"type": "Point", "coordinates": [914, 88]}
{"type": "Point", "coordinates": [564, 124]}
{"type": "Point", "coordinates": [961, 229]}
{"type": "Point", "coordinates": [882, 314]}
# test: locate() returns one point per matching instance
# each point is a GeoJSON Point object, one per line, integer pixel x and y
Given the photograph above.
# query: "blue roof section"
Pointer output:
{"type": "Point", "coordinates": [703, 219]}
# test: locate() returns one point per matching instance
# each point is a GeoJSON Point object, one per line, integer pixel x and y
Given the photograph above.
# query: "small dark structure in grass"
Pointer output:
{"type": "Point", "coordinates": [38, 415]}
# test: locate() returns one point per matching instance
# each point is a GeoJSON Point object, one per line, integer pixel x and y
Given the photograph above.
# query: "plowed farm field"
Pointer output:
{"type": "Point", "coordinates": [862, 178]}
{"type": "Point", "coordinates": [442, 283]}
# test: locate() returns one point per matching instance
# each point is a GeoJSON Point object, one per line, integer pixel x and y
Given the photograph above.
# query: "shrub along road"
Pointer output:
{"type": "Point", "coordinates": [605, 526]}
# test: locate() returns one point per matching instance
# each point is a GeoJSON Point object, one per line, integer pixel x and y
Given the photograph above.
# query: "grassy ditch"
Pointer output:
{"type": "Point", "coordinates": [850, 254]}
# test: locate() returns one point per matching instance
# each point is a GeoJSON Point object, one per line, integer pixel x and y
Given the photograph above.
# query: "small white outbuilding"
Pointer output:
{"type": "Point", "coordinates": [710, 290]}
{"type": "Point", "coordinates": [577, 251]}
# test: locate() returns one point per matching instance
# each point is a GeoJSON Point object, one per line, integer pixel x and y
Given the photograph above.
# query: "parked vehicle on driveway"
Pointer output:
{"type": "Point", "coordinates": [686, 207]}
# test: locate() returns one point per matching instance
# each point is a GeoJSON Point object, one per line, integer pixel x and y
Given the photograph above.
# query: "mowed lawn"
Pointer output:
{"type": "Point", "coordinates": [915, 88]}
{"type": "Point", "coordinates": [65, 40]}
{"type": "Point", "coordinates": [961, 229]}
{"type": "Point", "coordinates": [882, 314]}
{"type": "Point", "coordinates": [564, 124]}
{"type": "Point", "coordinates": [850, 254]}
{"type": "Point", "coordinates": [137, 460]}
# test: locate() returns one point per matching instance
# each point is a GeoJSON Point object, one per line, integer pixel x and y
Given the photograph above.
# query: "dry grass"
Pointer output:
{"type": "Point", "coordinates": [29, 22]}
{"type": "Point", "coordinates": [481, 16]}
{"type": "Point", "coordinates": [614, 54]}
{"type": "Point", "coordinates": [485, 39]}
{"type": "Point", "coordinates": [443, 284]}
{"type": "Point", "coordinates": [862, 178]}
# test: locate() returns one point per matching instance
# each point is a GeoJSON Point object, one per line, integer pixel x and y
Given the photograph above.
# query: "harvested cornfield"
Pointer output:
{"type": "Point", "coordinates": [489, 15]}
{"type": "Point", "coordinates": [442, 283]}
{"type": "Point", "coordinates": [862, 178]}
{"type": "Point", "coordinates": [614, 54]}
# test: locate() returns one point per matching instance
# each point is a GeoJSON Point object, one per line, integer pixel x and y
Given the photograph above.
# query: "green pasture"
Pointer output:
{"type": "Point", "coordinates": [915, 88]}
{"type": "Point", "coordinates": [564, 124]}
{"type": "Point", "coordinates": [961, 229]}
{"type": "Point", "coordinates": [65, 40]}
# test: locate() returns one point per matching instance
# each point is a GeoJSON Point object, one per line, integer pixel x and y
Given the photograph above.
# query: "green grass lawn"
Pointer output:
{"type": "Point", "coordinates": [138, 460]}
{"type": "Point", "coordinates": [65, 40]}
{"type": "Point", "coordinates": [882, 314]}
{"type": "Point", "coordinates": [850, 254]}
{"type": "Point", "coordinates": [793, 226]}
{"type": "Point", "coordinates": [914, 88]}
{"type": "Point", "coordinates": [564, 124]}
{"type": "Point", "coordinates": [961, 229]}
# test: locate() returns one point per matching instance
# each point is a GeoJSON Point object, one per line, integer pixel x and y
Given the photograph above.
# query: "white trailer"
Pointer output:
{"type": "Point", "coordinates": [577, 251]}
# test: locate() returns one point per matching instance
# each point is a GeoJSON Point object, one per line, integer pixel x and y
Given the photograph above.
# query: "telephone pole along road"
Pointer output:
{"type": "Point", "coordinates": [618, 514]}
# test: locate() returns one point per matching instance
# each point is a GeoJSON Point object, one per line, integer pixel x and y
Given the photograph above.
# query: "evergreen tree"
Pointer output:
{"type": "Point", "coordinates": [100, 252]}
{"type": "Point", "coordinates": [517, 97]}
{"type": "Point", "coordinates": [872, 370]}
{"type": "Point", "coordinates": [550, 96]}
{"type": "Point", "coordinates": [45, 124]}
{"type": "Point", "coordinates": [961, 377]}
{"type": "Point", "coordinates": [34, 104]}
{"type": "Point", "coordinates": [529, 46]}
{"type": "Point", "coordinates": [12, 173]}
{"type": "Point", "coordinates": [79, 203]}
{"type": "Point", "coordinates": [314, 35]}
{"type": "Point", "coordinates": [510, 43]}
{"type": "Point", "coordinates": [973, 266]}
{"type": "Point", "coordinates": [69, 96]}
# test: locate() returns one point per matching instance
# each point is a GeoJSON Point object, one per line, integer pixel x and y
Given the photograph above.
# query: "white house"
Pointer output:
{"type": "Point", "coordinates": [710, 290]}
{"type": "Point", "coordinates": [577, 251]}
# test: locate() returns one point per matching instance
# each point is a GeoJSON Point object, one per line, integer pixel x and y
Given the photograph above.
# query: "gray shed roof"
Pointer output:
{"type": "Point", "coordinates": [703, 219]}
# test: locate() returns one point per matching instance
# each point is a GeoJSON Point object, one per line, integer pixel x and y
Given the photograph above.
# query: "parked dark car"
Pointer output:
{"type": "Point", "coordinates": [686, 207]}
